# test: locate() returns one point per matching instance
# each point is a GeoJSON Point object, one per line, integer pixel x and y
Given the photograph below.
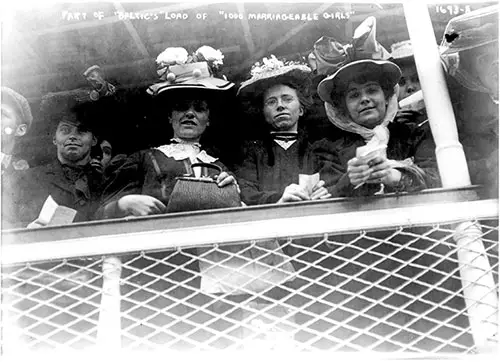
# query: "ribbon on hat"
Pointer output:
{"type": "Point", "coordinates": [186, 72]}
{"type": "Point", "coordinates": [330, 55]}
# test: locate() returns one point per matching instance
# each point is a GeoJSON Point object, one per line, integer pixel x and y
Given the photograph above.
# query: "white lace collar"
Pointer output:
{"type": "Point", "coordinates": [181, 150]}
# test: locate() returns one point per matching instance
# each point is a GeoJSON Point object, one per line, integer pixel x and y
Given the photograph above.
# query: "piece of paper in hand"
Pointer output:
{"type": "Point", "coordinates": [415, 102]}
{"type": "Point", "coordinates": [55, 214]}
{"type": "Point", "coordinates": [376, 146]}
{"type": "Point", "coordinates": [307, 182]}
{"type": "Point", "coordinates": [369, 154]}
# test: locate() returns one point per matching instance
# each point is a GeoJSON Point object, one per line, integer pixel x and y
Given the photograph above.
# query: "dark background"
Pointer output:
{"type": "Point", "coordinates": [45, 51]}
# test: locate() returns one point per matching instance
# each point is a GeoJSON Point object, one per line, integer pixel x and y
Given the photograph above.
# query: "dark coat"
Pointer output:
{"type": "Point", "coordinates": [408, 139]}
{"type": "Point", "coordinates": [477, 120]}
{"type": "Point", "coordinates": [137, 175]}
{"type": "Point", "coordinates": [25, 192]}
{"type": "Point", "coordinates": [261, 183]}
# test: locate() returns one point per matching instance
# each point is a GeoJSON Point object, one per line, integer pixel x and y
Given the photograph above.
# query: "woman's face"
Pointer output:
{"type": "Point", "coordinates": [409, 82]}
{"type": "Point", "coordinates": [366, 103]}
{"type": "Point", "coordinates": [282, 108]}
{"type": "Point", "coordinates": [189, 119]}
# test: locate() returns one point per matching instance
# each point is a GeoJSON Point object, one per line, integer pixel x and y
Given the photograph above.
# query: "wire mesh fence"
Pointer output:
{"type": "Point", "coordinates": [395, 290]}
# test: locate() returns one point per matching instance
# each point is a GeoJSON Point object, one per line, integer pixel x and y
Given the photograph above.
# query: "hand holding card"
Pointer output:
{"type": "Point", "coordinates": [53, 214]}
{"type": "Point", "coordinates": [307, 182]}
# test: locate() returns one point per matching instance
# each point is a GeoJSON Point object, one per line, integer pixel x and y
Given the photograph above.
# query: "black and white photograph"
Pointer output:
{"type": "Point", "coordinates": [246, 177]}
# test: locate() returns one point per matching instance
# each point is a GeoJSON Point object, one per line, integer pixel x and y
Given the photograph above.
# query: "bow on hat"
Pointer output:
{"type": "Point", "coordinates": [330, 55]}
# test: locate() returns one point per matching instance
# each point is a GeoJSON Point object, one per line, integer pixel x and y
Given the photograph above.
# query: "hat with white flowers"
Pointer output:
{"type": "Point", "coordinates": [273, 71]}
{"type": "Point", "coordinates": [179, 70]}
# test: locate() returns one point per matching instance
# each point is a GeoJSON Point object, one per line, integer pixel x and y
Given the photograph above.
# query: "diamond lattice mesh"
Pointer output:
{"type": "Point", "coordinates": [396, 290]}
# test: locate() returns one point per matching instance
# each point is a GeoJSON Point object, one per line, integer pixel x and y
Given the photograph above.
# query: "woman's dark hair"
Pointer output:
{"type": "Point", "coordinates": [339, 93]}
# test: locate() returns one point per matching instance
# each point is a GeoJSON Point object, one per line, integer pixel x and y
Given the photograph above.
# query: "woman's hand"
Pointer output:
{"type": "Point", "coordinates": [382, 172]}
{"type": "Point", "coordinates": [358, 171]}
{"type": "Point", "coordinates": [293, 192]}
{"type": "Point", "coordinates": [319, 192]}
{"type": "Point", "coordinates": [141, 205]}
{"type": "Point", "coordinates": [225, 179]}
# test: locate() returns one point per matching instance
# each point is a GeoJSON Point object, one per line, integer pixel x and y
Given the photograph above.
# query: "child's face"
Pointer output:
{"type": "Point", "coordinates": [409, 82]}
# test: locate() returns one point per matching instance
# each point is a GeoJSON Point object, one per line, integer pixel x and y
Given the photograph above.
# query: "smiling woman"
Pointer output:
{"type": "Point", "coordinates": [379, 151]}
{"type": "Point", "coordinates": [144, 183]}
{"type": "Point", "coordinates": [366, 103]}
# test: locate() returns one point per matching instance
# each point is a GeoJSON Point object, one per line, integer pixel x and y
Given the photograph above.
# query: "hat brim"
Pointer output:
{"type": "Point", "coordinates": [381, 68]}
{"type": "Point", "coordinates": [74, 107]}
{"type": "Point", "coordinates": [205, 84]}
{"type": "Point", "coordinates": [448, 49]}
{"type": "Point", "coordinates": [261, 82]}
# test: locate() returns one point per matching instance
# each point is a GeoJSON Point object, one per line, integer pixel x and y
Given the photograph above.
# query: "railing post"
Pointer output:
{"type": "Point", "coordinates": [478, 284]}
{"type": "Point", "coordinates": [109, 326]}
{"type": "Point", "coordinates": [475, 270]}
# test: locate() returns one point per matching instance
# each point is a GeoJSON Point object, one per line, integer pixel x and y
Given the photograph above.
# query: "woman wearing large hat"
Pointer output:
{"type": "Point", "coordinates": [183, 98]}
{"type": "Point", "coordinates": [277, 96]}
{"type": "Point", "coordinates": [377, 151]}
{"type": "Point", "coordinates": [144, 185]}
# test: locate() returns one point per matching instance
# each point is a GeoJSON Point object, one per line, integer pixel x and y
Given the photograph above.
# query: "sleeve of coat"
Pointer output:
{"type": "Point", "coordinates": [421, 171]}
{"type": "Point", "coordinates": [329, 165]}
{"type": "Point", "coordinates": [22, 198]}
{"type": "Point", "coordinates": [247, 177]}
{"type": "Point", "coordinates": [127, 179]}
{"type": "Point", "coordinates": [10, 202]}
